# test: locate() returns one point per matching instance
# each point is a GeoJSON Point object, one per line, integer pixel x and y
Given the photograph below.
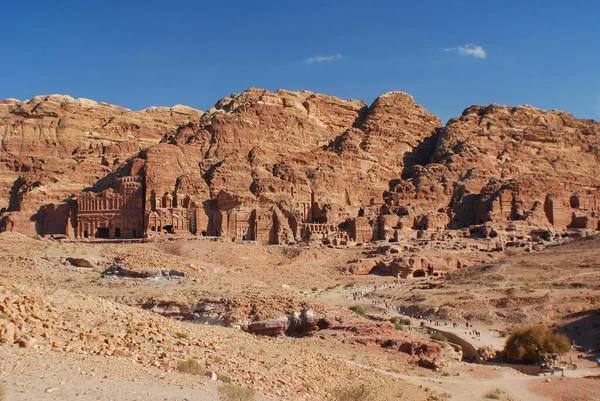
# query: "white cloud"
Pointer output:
{"type": "Point", "coordinates": [321, 59]}
{"type": "Point", "coordinates": [469, 50]}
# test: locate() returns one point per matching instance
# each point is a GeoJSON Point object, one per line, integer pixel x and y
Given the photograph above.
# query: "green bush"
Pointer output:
{"type": "Point", "coordinates": [438, 337]}
{"type": "Point", "coordinates": [352, 393]}
{"type": "Point", "coordinates": [359, 310]}
{"type": "Point", "coordinates": [315, 289]}
{"type": "Point", "coordinates": [4, 317]}
{"type": "Point", "coordinates": [402, 320]}
{"type": "Point", "coordinates": [349, 285]}
{"type": "Point", "coordinates": [399, 322]}
{"type": "Point", "coordinates": [190, 366]}
{"type": "Point", "coordinates": [181, 334]}
{"type": "Point", "coordinates": [528, 343]}
{"type": "Point", "coordinates": [232, 392]}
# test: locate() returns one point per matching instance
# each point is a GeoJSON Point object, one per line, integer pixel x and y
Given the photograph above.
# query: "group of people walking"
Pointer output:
{"type": "Point", "coordinates": [403, 310]}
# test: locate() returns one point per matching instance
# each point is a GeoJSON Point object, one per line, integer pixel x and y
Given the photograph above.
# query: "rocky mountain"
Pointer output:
{"type": "Point", "coordinates": [284, 146]}
{"type": "Point", "coordinates": [55, 146]}
{"type": "Point", "coordinates": [499, 164]}
{"type": "Point", "coordinates": [281, 166]}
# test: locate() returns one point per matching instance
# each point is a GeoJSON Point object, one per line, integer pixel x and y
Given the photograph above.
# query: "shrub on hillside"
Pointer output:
{"type": "Point", "coordinates": [191, 366]}
{"type": "Point", "coordinates": [438, 337]}
{"type": "Point", "coordinates": [232, 392]}
{"type": "Point", "coordinates": [528, 343]}
{"type": "Point", "coordinates": [495, 394]}
{"type": "Point", "coordinates": [402, 320]}
{"type": "Point", "coordinates": [359, 310]}
{"type": "Point", "coordinates": [223, 378]}
{"type": "Point", "coordinates": [352, 393]}
{"type": "Point", "coordinates": [399, 322]}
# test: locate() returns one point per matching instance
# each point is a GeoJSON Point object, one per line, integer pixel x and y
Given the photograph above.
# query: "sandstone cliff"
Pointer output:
{"type": "Point", "coordinates": [298, 156]}
{"type": "Point", "coordinates": [500, 164]}
{"type": "Point", "coordinates": [283, 166]}
{"type": "Point", "coordinates": [55, 146]}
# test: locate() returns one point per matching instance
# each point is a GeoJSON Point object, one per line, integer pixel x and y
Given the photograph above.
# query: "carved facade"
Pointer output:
{"type": "Point", "coordinates": [128, 211]}
{"type": "Point", "coordinates": [170, 213]}
{"type": "Point", "coordinates": [112, 214]}
{"type": "Point", "coordinates": [577, 211]}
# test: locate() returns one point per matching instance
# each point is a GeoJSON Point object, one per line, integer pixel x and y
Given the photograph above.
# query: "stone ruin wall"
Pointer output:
{"type": "Point", "coordinates": [126, 212]}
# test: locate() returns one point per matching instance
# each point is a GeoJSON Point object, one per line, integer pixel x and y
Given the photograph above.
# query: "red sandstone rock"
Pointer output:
{"type": "Point", "coordinates": [500, 164]}
{"type": "Point", "coordinates": [277, 167]}
{"type": "Point", "coordinates": [55, 146]}
{"type": "Point", "coordinates": [284, 166]}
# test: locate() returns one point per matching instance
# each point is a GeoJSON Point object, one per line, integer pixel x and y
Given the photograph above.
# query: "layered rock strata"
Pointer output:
{"type": "Point", "coordinates": [280, 167]}
{"type": "Point", "coordinates": [53, 147]}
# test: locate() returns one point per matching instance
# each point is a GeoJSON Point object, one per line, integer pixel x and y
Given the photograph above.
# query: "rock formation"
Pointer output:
{"type": "Point", "coordinates": [280, 167]}
{"type": "Point", "coordinates": [503, 165]}
{"type": "Point", "coordinates": [284, 166]}
{"type": "Point", "coordinates": [55, 146]}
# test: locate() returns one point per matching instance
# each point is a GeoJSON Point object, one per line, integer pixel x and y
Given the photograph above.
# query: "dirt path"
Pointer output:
{"type": "Point", "coordinates": [571, 276]}
{"type": "Point", "coordinates": [487, 337]}
{"type": "Point", "coordinates": [461, 388]}
{"type": "Point", "coordinates": [343, 296]}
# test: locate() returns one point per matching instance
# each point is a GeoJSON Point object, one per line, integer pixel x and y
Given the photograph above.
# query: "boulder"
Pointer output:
{"type": "Point", "coordinates": [84, 261]}
{"type": "Point", "coordinates": [211, 376]}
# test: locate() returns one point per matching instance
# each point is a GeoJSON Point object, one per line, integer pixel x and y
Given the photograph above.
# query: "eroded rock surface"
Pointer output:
{"type": "Point", "coordinates": [503, 164]}
{"type": "Point", "coordinates": [55, 146]}
{"type": "Point", "coordinates": [281, 167]}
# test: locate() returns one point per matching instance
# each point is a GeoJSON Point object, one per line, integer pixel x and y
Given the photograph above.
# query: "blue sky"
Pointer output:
{"type": "Point", "coordinates": [447, 54]}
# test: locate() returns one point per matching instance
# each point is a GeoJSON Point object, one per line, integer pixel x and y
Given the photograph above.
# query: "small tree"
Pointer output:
{"type": "Point", "coordinates": [528, 343]}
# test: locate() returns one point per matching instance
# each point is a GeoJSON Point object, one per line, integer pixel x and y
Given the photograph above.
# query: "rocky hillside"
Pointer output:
{"type": "Point", "coordinates": [520, 163]}
{"type": "Point", "coordinates": [283, 145]}
{"type": "Point", "coordinates": [54, 146]}
{"type": "Point", "coordinates": [284, 150]}
{"type": "Point", "coordinates": [57, 308]}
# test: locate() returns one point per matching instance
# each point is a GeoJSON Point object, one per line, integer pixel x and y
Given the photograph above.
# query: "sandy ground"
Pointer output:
{"type": "Point", "coordinates": [33, 375]}
{"type": "Point", "coordinates": [276, 280]}
{"type": "Point", "coordinates": [569, 389]}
